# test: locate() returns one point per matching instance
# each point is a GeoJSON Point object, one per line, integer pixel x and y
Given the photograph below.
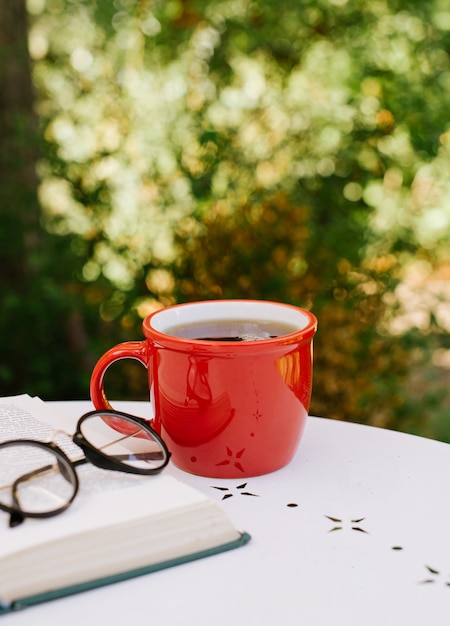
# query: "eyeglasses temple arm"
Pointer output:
{"type": "Point", "coordinates": [15, 519]}
{"type": "Point", "coordinates": [17, 516]}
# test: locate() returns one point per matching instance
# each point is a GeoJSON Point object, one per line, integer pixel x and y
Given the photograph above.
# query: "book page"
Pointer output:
{"type": "Point", "coordinates": [16, 421]}
{"type": "Point", "coordinates": [23, 417]}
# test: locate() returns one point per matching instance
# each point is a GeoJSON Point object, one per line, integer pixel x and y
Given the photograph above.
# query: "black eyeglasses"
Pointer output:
{"type": "Point", "coordinates": [37, 479]}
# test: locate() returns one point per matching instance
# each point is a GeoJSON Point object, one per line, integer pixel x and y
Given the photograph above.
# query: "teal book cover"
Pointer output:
{"type": "Point", "coordinates": [22, 603]}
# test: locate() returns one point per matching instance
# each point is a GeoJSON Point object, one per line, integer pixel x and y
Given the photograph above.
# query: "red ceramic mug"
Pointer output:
{"type": "Point", "coordinates": [230, 382]}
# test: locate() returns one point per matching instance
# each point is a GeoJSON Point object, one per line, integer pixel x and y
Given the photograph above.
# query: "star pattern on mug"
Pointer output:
{"type": "Point", "coordinates": [233, 458]}
{"type": "Point", "coordinates": [257, 414]}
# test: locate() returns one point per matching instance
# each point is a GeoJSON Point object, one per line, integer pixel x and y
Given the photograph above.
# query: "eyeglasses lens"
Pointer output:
{"type": "Point", "coordinates": [124, 440]}
{"type": "Point", "coordinates": [34, 479]}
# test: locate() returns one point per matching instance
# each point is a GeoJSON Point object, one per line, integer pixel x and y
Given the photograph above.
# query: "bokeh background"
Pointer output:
{"type": "Point", "coordinates": [162, 151]}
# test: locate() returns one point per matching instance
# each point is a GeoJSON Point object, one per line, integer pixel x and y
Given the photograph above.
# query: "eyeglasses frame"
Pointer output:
{"type": "Point", "coordinates": [91, 454]}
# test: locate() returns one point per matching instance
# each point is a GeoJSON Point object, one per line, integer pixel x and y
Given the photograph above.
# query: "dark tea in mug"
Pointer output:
{"type": "Point", "coordinates": [232, 330]}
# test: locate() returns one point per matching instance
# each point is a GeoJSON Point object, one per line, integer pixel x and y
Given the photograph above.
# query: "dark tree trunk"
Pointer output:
{"type": "Point", "coordinates": [39, 351]}
{"type": "Point", "coordinates": [19, 212]}
{"type": "Point", "coordinates": [18, 198]}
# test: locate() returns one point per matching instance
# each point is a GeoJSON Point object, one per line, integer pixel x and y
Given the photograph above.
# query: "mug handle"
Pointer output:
{"type": "Point", "coordinates": [137, 350]}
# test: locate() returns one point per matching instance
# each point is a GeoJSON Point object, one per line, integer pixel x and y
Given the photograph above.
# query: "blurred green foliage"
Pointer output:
{"type": "Point", "coordinates": [294, 151]}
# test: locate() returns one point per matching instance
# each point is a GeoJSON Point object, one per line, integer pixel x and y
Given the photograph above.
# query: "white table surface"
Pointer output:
{"type": "Point", "coordinates": [383, 559]}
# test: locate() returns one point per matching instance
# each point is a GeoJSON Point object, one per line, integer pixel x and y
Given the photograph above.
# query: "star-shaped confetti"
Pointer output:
{"type": "Point", "coordinates": [339, 524]}
{"type": "Point", "coordinates": [228, 493]}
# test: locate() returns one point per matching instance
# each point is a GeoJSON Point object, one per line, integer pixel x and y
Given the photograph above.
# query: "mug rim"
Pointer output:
{"type": "Point", "coordinates": [305, 331]}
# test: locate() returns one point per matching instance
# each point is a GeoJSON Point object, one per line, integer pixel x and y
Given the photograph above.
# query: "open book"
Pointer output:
{"type": "Point", "coordinates": [118, 526]}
